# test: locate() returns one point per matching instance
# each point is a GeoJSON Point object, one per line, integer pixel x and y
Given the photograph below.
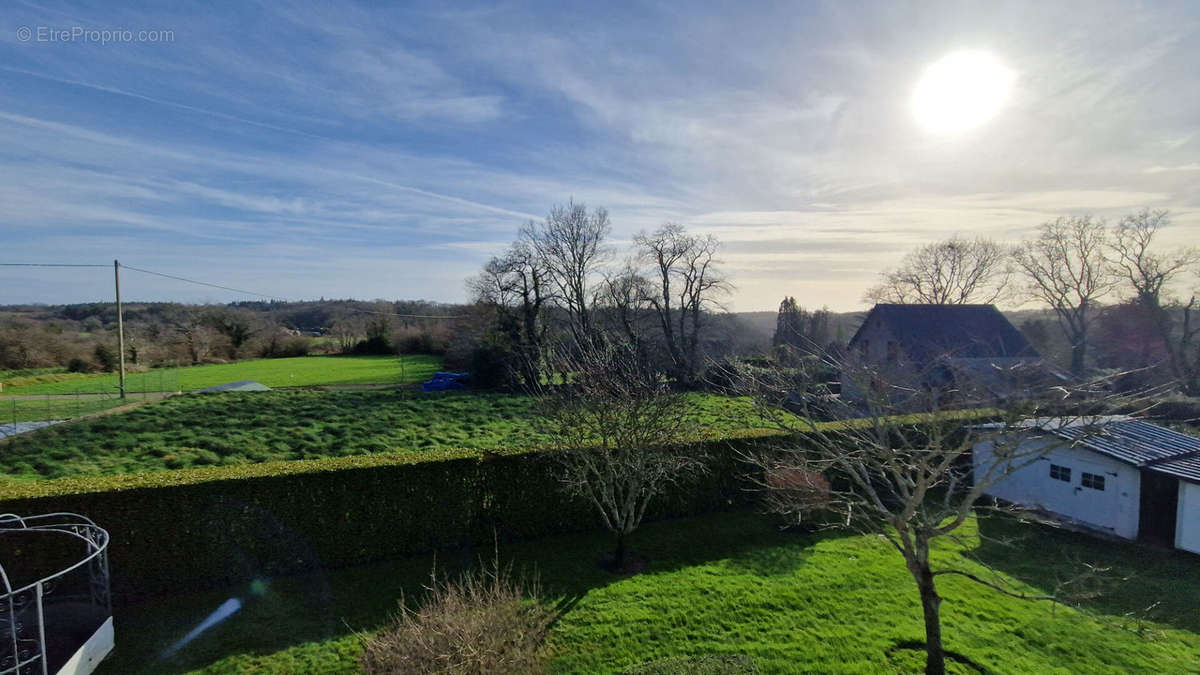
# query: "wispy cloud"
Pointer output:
{"type": "Point", "coordinates": [386, 152]}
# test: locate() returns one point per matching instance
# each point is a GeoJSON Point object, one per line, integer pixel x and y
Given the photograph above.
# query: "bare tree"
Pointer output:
{"type": "Point", "coordinates": [570, 247]}
{"type": "Point", "coordinates": [625, 435]}
{"type": "Point", "coordinates": [951, 272]}
{"type": "Point", "coordinates": [1147, 270]}
{"type": "Point", "coordinates": [192, 330]}
{"type": "Point", "coordinates": [1067, 267]}
{"type": "Point", "coordinates": [516, 284]}
{"type": "Point", "coordinates": [686, 284]}
{"type": "Point", "coordinates": [1149, 274]}
{"type": "Point", "coordinates": [347, 329]}
{"type": "Point", "coordinates": [906, 479]}
{"type": "Point", "coordinates": [625, 297]}
{"type": "Point", "coordinates": [237, 325]}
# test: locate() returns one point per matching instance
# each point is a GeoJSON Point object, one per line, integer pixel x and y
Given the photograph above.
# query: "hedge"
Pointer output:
{"type": "Point", "coordinates": [175, 531]}
{"type": "Point", "coordinates": [186, 530]}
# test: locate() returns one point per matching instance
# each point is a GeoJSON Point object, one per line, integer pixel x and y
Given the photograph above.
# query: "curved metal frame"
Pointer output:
{"type": "Point", "coordinates": [26, 652]}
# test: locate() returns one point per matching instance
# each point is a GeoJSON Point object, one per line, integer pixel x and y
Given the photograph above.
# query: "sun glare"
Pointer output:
{"type": "Point", "coordinates": [961, 91]}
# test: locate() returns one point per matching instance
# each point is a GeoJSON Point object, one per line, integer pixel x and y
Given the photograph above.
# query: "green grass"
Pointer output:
{"type": "Point", "coordinates": [234, 428]}
{"type": "Point", "coordinates": [722, 585]}
{"type": "Point", "coordinates": [302, 371]}
{"type": "Point", "coordinates": [56, 408]}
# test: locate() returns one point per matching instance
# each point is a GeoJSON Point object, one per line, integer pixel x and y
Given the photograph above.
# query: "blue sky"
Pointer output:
{"type": "Point", "coordinates": [307, 150]}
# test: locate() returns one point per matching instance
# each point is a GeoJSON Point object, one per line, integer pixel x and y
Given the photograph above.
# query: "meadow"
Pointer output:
{"type": "Point", "coordinates": [234, 428]}
{"type": "Point", "coordinates": [301, 371]}
{"type": "Point", "coordinates": [726, 584]}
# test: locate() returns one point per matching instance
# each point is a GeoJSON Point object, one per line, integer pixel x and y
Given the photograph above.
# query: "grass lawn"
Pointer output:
{"type": "Point", "coordinates": [723, 584]}
{"type": "Point", "coordinates": [301, 371]}
{"type": "Point", "coordinates": [233, 428]}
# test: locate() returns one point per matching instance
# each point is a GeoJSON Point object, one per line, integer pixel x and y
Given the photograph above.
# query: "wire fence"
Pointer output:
{"type": "Point", "coordinates": [70, 399]}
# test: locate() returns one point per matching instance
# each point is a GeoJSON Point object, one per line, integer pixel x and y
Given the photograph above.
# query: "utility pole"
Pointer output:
{"type": "Point", "coordinates": [120, 324]}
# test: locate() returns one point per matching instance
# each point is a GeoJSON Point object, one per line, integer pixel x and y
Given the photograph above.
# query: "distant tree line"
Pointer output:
{"type": "Point", "coordinates": [82, 337]}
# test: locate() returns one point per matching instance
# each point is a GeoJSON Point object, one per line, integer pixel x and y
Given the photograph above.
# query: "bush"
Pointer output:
{"type": "Point", "coordinates": [420, 341]}
{"type": "Point", "coordinates": [105, 356]}
{"type": "Point", "coordinates": [374, 346]}
{"type": "Point", "coordinates": [486, 621]}
{"type": "Point", "coordinates": [283, 346]}
{"type": "Point", "coordinates": [78, 365]}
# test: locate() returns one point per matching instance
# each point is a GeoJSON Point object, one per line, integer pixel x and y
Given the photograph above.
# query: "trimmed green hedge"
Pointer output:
{"type": "Point", "coordinates": [202, 528]}
{"type": "Point", "coordinates": [212, 527]}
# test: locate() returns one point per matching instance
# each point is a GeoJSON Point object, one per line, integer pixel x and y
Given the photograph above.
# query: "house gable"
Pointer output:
{"type": "Point", "coordinates": [924, 333]}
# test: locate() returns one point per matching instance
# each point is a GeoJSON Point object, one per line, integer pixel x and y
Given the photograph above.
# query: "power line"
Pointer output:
{"type": "Point", "coordinates": [202, 283]}
{"type": "Point", "coordinates": [274, 297]}
{"type": "Point", "coordinates": [232, 289]}
{"type": "Point", "coordinates": [46, 265]}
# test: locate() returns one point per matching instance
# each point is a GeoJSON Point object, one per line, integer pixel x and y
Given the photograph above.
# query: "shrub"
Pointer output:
{"type": "Point", "coordinates": [377, 345]}
{"type": "Point", "coordinates": [419, 341]}
{"type": "Point", "coordinates": [78, 365]}
{"type": "Point", "coordinates": [487, 621]}
{"type": "Point", "coordinates": [105, 356]}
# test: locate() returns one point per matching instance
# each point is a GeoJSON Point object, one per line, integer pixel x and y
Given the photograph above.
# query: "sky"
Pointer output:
{"type": "Point", "coordinates": [312, 150]}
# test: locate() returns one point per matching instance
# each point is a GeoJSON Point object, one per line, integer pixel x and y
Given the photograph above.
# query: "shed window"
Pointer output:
{"type": "Point", "coordinates": [1062, 473]}
{"type": "Point", "coordinates": [1091, 480]}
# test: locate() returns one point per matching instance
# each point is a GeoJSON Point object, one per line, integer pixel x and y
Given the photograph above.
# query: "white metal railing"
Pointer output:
{"type": "Point", "coordinates": [23, 610]}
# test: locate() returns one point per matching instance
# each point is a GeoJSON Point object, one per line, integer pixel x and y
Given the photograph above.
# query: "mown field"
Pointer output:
{"type": "Point", "coordinates": [727, 584]}
{"type": "Point", "coordinates": [13, 409]}
{"type": "Point", "coordinates": [302, 371]}
{"type": "Point", "coordinates": [233, 428]}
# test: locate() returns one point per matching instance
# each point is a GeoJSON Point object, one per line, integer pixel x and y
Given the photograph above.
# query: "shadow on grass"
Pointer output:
{"type": "Point", "coordinates": [1140, 584]}
{"type": "Point", "coordinates": [910, 656]}
{"type": "Point", "coordinates": [279, 613]}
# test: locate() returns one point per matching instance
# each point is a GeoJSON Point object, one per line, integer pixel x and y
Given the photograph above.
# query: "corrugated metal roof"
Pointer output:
{"type": "Point", "coordinates": [1142, 444]}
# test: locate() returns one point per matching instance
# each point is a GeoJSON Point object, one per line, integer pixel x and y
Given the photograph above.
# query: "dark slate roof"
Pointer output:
{"type": "Point", "coordinates": [926, 332]}
{"type": "Point", "coordinates": [1146, 446]}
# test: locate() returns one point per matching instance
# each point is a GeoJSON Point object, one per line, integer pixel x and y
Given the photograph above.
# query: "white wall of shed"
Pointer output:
{"type": "Point", "coordinates": [1187, 520]}
{"type": "Point", "coordinates": [1032, 485]}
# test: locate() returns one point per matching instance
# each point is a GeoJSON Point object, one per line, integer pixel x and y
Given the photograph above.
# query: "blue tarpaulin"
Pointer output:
{"type": "Point", "coordinates": [446, 382]}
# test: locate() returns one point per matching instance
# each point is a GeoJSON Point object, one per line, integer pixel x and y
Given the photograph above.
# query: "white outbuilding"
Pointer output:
{"type": "Point", "coordinates": [1119, 475]}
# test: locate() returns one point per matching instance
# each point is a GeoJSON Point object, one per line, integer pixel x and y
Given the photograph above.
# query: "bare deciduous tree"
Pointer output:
{"type": "Point", "coordinates": [1067, 267]}
{"type": "Point", "coordinates": [516, 285]}
{"type": "Point", "coordinates": [570, 247]}
{"type": "Point", "coordinates": [1147, 270]}
{"type": "Point", "coordinates": [907, 479]}
{"type": "Point", "coordinates": [625, 435]}
{"type": "Point", "coordinates": [686, 283]}
{"type": "Point", "coordinates": [347, 329]}
{"type": "Point", "coordinates": [952, 272]}
{"type": "Point", "coordinates": [625, 295]}
{"type": "Point", "coordinates": [192, 330]}
{"type": "Point", "coordinates": [237, 325]}
{"type": "Point", "coordinates": [1150, 273]}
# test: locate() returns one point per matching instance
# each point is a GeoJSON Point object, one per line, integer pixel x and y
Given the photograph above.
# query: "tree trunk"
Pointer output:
{"type": "Point", "coordinates": [935, 655]}
{"type": "Point", "coordinates": [1078, 352]}
{"type": "Point", "coordinates": [619, 553]}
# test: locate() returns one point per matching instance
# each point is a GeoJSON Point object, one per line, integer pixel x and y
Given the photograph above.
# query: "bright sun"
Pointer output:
{"type": "Point", "coordinates": [961, 91]}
